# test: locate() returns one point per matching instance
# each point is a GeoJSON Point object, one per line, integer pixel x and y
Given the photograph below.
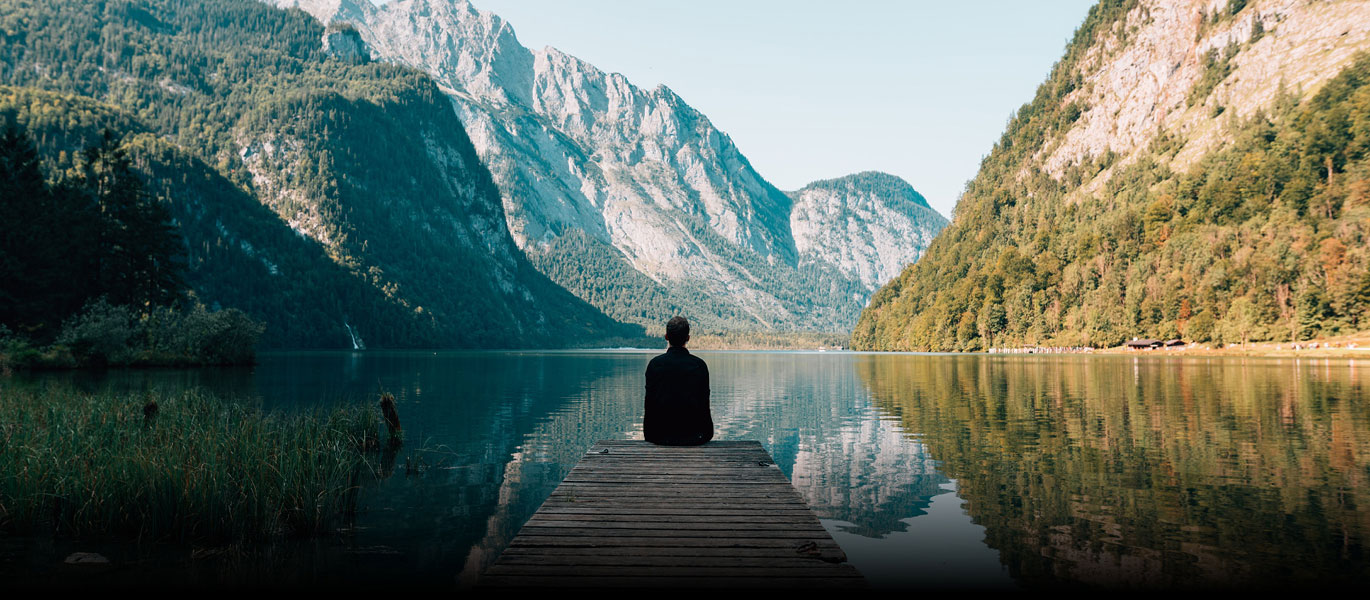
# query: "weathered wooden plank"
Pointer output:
{"type": "Point", "coordinates": [672, 465]}
{"type": "Point", "coordinates": [722, 547]}
{"type": "Point", "coordinates": [683, 500]}
{"type": "Point", "coordinates": [583, 498]}
{"type": "Point", "coordinates": [570, 497]}
{"type": "Point", "coordinates": [723, 457]}
{"type": "Point", "coordinates": [639, 487]}
{"type": "Point", "coordinates": [809, 528]}
{"type": "Point", "coordinates": [660, 551]}
{"type": "Point", "coordinates": [668, 483]}
{"type": "Point", "coordinates": [678, 555]}
{"type": "Point", "coordinates": [574, 494]}
{"type": "Point", "coordinates": [671, 533]}
{"type": "Point", "coordinates": [669, 521]}
{"type": "Point", "coordinates": [720, 458]}
{"type": "Point", "coordinates": [681, 470]}
{"type": "Point", "coordinates": [698, 484]}
{"type": "Point", "coordinates": [548, 516]}
{"type": "Point", "coordinates": [791, 517]}
{"type": "Point", "coordinates": [639, 446]}
{"type": "Point", "coordinates": [670, 493]}
{"type": "Point", "coordinates": [649, 506]}
{"type": "Point", "coordinates": [753, 463]}
{"type": "Point", "coordinates": [811, 570]}
{"type": "Point", "coordinates": [632, 514]}
{"type": "Point", "coordinates": [672, 472]}
{"type": "Point", "coordinates": [673, 491]}
{"type": "Point", "coordinates": [757, 466]}
{"type": "Point", "coordinates": [697, 452]}
{"type": "Point", "coordinates": [672, 510]}
{"type": "Point", "coordinates": [712, 444]}
{"type": "Point", "coordinates": [724, 502]}
{"type": "Point", "coordinates": [618, 462]}
{"type": "Point", "coordinates": [745, 505]}
{"type": "Point", "coordinates": [672, 582]}
{"type": "Point", "coordinates": [634, 559]}
{"type": "Point", "coordinates": [658, 489]}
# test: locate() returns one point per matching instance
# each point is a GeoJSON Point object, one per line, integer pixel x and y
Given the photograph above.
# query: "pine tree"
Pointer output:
{"type": "Point", "coordinates": [25, 244]}
{"type": "Point", "coordinates": [140, 251]}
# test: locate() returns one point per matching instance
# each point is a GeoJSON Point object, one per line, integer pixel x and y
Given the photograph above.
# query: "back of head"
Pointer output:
{"type": "Point", "coordinates": [678, 331]}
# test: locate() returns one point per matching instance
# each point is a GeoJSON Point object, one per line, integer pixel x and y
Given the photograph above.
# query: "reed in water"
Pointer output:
{"type": "Point", "coordinates": [180, 467]}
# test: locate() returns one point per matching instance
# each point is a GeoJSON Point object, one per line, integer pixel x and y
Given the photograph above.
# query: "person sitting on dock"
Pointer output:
{"type": "Point", "coordinates": [677, 403]}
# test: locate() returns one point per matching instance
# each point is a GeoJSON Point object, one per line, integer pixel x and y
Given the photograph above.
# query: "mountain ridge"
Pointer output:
{"type": "Point", "coordinates": [367, 161]}
{"type": "Point", "coordinates": [638, 171]}
{"type": "Point", "coordinates": [828, 223]}
{"type": "Point", "coordinates": [1188, 169]}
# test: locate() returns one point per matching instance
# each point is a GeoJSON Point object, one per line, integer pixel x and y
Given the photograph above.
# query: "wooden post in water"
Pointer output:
{"type": "Point", "coordinates": [634, 514]}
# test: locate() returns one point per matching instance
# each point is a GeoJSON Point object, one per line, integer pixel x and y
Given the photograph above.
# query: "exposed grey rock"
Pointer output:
{"type": "Point", "coordinates": [574, 148]}
{"type": "Point", "coordinates": [870, 225]}
{"type": "Point", "coordinates": [342, 41]}
{"type": "Point", "coordinates": [1138, 79]}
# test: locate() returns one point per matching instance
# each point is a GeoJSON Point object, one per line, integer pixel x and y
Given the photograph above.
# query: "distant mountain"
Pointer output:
{"type": "Point", "coordinates": [631, 198]}
{"type": "Point", "coordinates": [1191, 169]}
{"type": "Point", "coordinates": [337, 199]}
{"type": "Point", "coordinates": [870, 225]}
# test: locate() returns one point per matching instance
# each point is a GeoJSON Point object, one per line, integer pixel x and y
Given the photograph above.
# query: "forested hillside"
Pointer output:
{"type": "Point", "coordinates": [324, 194]}
{"type": "Point", "coordinates": [1225, 199]}
{"type": "Point", "coordinates": [92, 265]}
{"type": "Point", "coordinates": [238, 252]}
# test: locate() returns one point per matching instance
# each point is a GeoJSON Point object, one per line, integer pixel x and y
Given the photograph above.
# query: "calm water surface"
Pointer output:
{"type": "Point", "coordinates": [946, 470]}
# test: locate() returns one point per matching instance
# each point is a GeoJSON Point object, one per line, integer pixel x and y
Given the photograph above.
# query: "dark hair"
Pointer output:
{"type": "Point", "coordinates": [677, 330]}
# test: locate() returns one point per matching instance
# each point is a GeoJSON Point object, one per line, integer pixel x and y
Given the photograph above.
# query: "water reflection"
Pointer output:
{"type": "Point", "coordinates": [1148, 472]}
{"type": "Point", "coordinates": [938, 549]}
{"type": "Point", "coordinates": [929, 470]}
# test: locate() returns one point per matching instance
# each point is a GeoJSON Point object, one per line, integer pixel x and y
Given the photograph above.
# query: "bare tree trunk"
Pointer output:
{"type": "Point", "coordinates": [1283, 300]}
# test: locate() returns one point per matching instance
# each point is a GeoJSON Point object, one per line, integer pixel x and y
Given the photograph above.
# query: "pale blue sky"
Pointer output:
{"type": "Point", "coordinates": [812, 90]}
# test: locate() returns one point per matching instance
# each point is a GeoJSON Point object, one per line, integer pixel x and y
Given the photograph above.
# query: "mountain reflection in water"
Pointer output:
{"type": "Point", "coordinates": [1149, 471]}
{"type": "Point", "coordinates": [945, 470]}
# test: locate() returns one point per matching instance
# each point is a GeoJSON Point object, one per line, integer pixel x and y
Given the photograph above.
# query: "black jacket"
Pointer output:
{"type": "Point", "coordinates": [677, 404]}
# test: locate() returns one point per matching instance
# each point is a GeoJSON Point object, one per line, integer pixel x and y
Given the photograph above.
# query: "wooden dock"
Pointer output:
{"type": "Point", "coordinates": [634, 514]}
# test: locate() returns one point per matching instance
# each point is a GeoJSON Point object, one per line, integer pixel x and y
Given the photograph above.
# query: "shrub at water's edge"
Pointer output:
{"type": "Point", "coordinates": [184, 468]}
{"type": "Point", "coordinates": [91, 269]}
{"type": "Point", "coordinates": [116, 336]}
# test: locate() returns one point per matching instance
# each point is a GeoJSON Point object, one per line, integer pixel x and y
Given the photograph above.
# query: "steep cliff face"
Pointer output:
{"type": "Point", "coordinates": [1168, 67]}
{"type": "Point", "coordinates": [649, 191]}
{"type": "Point", "coordinates": [344, 43]}
{"type": "Point", "coordinates": [870, 225]}
{"type": "Point", "coordinates": [1190, 169]}
{"type": "Point", "coordinates": [367, 162]}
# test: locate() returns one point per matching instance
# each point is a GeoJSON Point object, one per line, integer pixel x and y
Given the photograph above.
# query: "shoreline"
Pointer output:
{"type": "Point", "coordinates": [1262, 349]}
{"type": "Point", "coordinates": [1348, 346]}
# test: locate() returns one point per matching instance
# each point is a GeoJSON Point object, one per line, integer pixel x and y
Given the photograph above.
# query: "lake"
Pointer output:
{"type": "Point", "coordinates": [930, 470]}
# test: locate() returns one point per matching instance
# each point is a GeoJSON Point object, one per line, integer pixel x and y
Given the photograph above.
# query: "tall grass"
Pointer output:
{"type": "Point", "coordinates": [202, 469]}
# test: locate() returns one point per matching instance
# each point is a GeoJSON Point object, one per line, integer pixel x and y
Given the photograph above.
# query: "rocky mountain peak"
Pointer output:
{"type": "Point", "coordinates": [870, 224]}
{"type": "Point", "coordinates": [1189, 169]}
{"type": "Point", "coordinates": [637, 175]}
{"type": "Point", "coordinates": [893, 186]}
{"type": "Point", "coordinates": [328, 11]}
{"type": "Point", "coordinates": [1173, 67]}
